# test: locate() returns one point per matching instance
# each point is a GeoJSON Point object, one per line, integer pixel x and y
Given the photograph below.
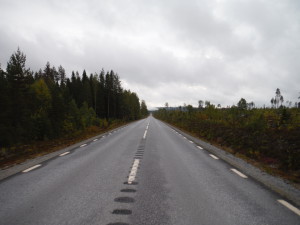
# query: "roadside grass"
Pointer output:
{"type": "Point", "coordinates": [20, 153]}
{"type": "Point", "coordinates": [267, 165]}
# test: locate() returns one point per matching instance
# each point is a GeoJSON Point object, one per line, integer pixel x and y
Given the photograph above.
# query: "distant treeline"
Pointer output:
{"type": "Point", "coordinates": [270, 135]}
{"type": "Point", "coordinates": [45, 105]}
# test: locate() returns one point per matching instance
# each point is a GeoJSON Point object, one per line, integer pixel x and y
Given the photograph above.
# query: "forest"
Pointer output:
{"type": "Point", "coordinates": [269, 135]}
{"type": "Point", "coordinates": [47, 104]}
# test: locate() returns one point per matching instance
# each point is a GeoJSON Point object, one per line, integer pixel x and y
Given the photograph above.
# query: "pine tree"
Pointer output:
{"type": "Point", "coordinates": [55, 75]}
{"type": "Point", "coordinates": [62, 75]}
{"type": "Point", "coordinates": [144, 110]}
{"type": "Point", "coordinates": [242, 104]}
{"type": "Point", "coordinates": [41, 101]}
{"type": "Point", "coordinates": [86, 92]}
{"type": "Point", "coordinates": [5, 126]}
{"type": "Point", "coordinates": [19, 79]}
{"type": "Point", "coordinates": [101, 96]}
{"type": "Point", "coordinates": [48, 73]}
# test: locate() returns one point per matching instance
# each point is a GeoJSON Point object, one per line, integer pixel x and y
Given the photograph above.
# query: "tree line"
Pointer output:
{"type": "Point", "coordinates": [47, 104]}
{"type": "Point", "coordinates": [269, 135]}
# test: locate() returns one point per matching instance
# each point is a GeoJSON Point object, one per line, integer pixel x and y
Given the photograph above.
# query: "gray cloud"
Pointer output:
{"type": "Point", "coordinates": [166, 51]}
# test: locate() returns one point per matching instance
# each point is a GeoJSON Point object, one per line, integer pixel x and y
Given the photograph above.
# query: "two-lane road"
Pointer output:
{"type": "Point", "coordinates": [144, 173]}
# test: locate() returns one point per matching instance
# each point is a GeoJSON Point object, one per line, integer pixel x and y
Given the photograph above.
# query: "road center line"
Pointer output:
{"type": "Point", "coordinates": [31, 168]}
{"type": "Point", "coordinates": [144, 137]}
{"type": "Point", "coordinates": [82, 145]}
{"type": "Point", "coordinates": [213, 156]}
{"type": "Point", "coordinates": [65, 153]}
{"type": "Point", "coordinates": [133, 171]}
{"type": "Point", "coordinates": [239, 173]}
{"type": "Point", "coordinates": [289, 206]}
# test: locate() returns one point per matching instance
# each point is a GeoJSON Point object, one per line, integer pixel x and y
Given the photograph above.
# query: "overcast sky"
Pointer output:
{"type": "Point", "coordinates": [176, 51]}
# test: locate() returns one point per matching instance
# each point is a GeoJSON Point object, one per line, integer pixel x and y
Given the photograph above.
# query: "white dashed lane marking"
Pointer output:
{"type": "Point", "coordinates": [83, 145]}
{"type": "Point", "coordinates": [31, 168]}
{"type": "Point", "coordinates": [199, 147]}
{"type": "Point", "coordinates": [133, 171]}
{"type": "Point", "coordinates": [95, 139]}
{"type": "Point", "coordinates": [213, 156]}
{"type": "Point", "coordinates": [65, 153]}
{"type": "Point", "coordinates": [289, 206]}
{"type": "Point", "coordinates": [191, 142]}
{"type": "Point", "coordinates": [239, 173]}
{"type": "Point", "coordinates": [144, 137]}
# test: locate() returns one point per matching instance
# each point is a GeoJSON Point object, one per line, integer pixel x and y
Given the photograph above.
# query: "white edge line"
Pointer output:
{"type": "Point", "coordinates": [145, 134]}
{"type": "Point", "coordinates": [31, 168]}
{"type": "Point", "coordinates": [289, 206]}
{"type": "Point", "coordinates": [65, 153]}
{"type": "Point", "coordinates": [213, 156]}
{"type": "Point", "coordinates": [239, 173]}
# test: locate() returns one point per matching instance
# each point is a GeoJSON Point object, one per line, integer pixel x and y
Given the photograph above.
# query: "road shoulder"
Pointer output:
{"type": "Point", "coordinates": [276, 184]}
{"type": "Point", "coordinates": [7, 172]}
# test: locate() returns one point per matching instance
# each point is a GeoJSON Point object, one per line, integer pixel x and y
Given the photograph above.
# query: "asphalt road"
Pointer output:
{"type": "Point", "coordinates": [140, 174]}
